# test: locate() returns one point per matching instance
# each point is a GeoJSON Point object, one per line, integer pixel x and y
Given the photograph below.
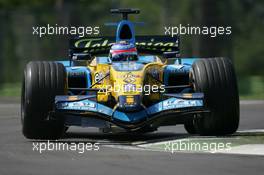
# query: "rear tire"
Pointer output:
{"type": "Point", "coordinates": [216, 78]}
{"type": "Point", "coordinates": [42, 82]}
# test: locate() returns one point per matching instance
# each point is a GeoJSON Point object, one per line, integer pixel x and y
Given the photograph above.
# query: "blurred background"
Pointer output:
{"type": "Point", "coordinates": [244, 46]}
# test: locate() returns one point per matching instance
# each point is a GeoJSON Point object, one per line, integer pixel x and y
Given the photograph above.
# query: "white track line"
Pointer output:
{"type": "Point", "coordinates": [9, 105]}
{"type": "Point", "coordinates": [251, 102]}
{"type": "Point", "coordinates": [125, 147]}
{"type": "Point", "coordinates": [248, 149]}
{"type": "Point", "coordinates": [252, 131]}
{"type": "Point", "coordinates": [252, 149]}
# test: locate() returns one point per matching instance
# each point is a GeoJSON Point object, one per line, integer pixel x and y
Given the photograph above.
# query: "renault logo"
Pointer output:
{"type": "Point", "coordinates": [129, 78]}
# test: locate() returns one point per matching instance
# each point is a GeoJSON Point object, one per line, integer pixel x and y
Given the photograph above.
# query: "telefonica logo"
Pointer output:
{"type": "Point", "coordinates": [92, 43]}
{"type": "Point", "coordinates": [101, 43]}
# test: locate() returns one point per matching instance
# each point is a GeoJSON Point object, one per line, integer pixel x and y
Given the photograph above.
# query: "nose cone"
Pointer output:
{"type": "Point", "coordinates": [127, 79]}
{"type": "Point", "coordinates": [129, 103]}
{"type": "Point", "coordinates": [128, 82]}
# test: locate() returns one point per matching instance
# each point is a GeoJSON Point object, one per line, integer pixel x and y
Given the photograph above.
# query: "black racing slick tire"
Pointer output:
{"type": "Point", "coordinates": [41, 83]}
{"type": "Point", "coordinates": [216, 78]}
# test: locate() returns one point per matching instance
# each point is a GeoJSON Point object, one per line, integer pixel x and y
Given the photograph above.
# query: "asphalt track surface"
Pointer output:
{"type": "Point", "coordinates": [17, 155]}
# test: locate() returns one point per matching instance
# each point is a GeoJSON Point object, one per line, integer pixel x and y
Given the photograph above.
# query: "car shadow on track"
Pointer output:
{"type": "Point", "coordinates": [124, 138]}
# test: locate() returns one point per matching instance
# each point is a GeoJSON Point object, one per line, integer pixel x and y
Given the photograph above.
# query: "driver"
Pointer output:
{"type": "Point", "coordinates": [123, 51]}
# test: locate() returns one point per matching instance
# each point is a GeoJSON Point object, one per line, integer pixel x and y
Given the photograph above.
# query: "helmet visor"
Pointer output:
{"type": "Point", "coordinates": [124, 57]}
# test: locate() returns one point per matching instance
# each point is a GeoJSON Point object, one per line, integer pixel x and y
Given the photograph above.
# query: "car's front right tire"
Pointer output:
{"type": "Point", "coordinates": [42, 81]}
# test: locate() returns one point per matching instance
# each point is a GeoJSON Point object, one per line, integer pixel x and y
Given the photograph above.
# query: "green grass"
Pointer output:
{"type": "Point", "coordinates": [250, 88]}
{"type": "Point", "coordinates": [10, 90]}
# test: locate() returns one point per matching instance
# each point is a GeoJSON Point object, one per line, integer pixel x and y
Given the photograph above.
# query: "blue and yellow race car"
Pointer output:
{"type": "Point", "coordinates": [129, 83]}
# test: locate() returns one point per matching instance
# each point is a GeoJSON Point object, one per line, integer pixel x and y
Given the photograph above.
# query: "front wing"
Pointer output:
{"type": "Point", "coordinates": [168, 110]}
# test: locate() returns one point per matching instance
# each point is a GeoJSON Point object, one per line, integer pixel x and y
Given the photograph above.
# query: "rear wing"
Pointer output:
{"type": "Point", "coordinates": [145, 44]}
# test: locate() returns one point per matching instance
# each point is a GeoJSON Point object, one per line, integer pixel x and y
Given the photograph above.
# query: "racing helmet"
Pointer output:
{"type": "Point", "coordinates": [123, 51]}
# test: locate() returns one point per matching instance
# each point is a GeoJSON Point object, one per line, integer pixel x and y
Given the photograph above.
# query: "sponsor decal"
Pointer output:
{"type": "Point", "coordinates": [72, 98]}
{"type": "Point", "coordinates": [79, 105]}
{"type": "Point", "coordinates": [180, 103]}
{"type": "Point", "coordinates": [187, 95]}
{"type": "Point", "coordinates": [98, 76]}
{"type": "Point", "coordinates": [101, 44]}
{"type": "Point", "coordinates": [93, 43]}
{"type": "Point", "coordinates": [130, 100]}
{"type": "Point", "coordinates": [124, 76]}
{"type": "Point", "coordinates": [129, 78]}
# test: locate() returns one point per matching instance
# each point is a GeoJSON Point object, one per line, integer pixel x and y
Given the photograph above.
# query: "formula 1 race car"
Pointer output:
{"type": "Point", "coordinates": [129, 83]}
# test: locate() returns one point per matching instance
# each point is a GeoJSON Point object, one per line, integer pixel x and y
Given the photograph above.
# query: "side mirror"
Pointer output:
{"type": "Point", "coordinates": [171, 55]}
{"type": "Point", "coordinates": [81, 56]}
